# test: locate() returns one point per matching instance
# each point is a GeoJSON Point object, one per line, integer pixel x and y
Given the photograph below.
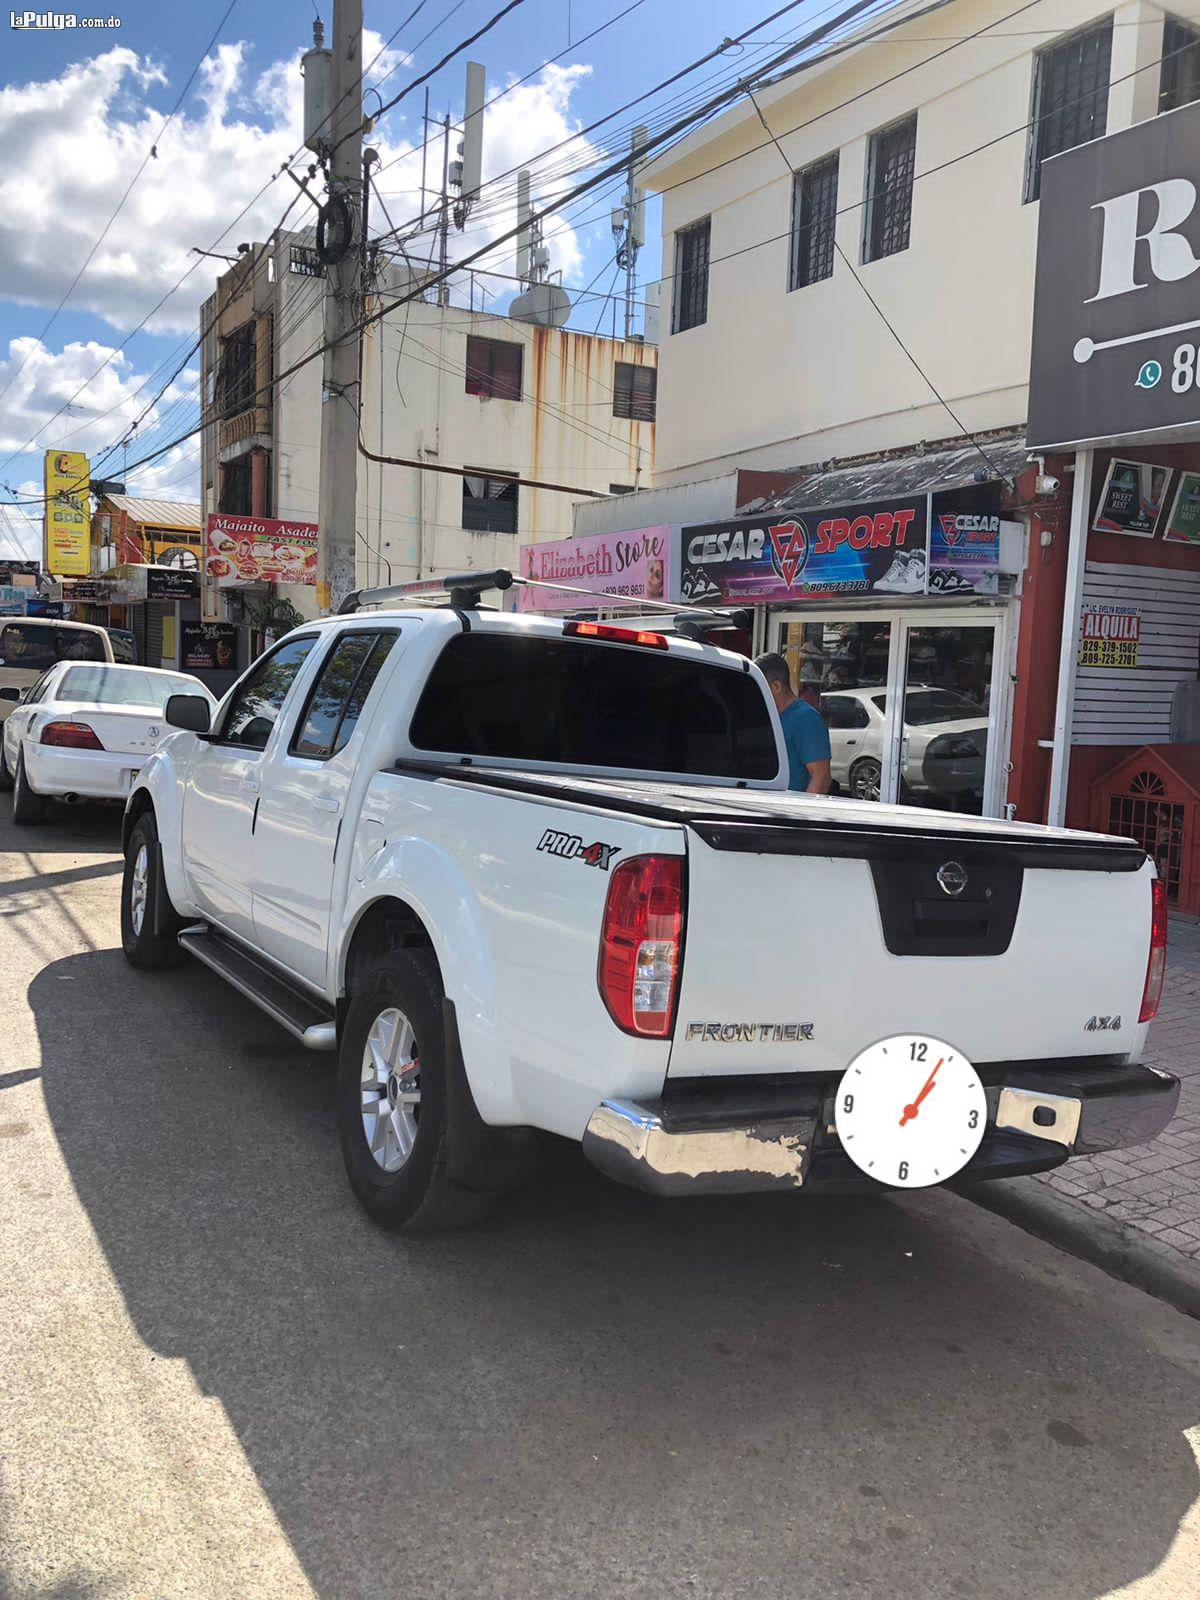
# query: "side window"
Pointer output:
{"type": "Point", "coordinates": [340, 693]}
{"type": "Point", "coordinates": [843, 711]}
{"type": "Point", "coordinates": [257, 700]}
{"type": "Point", "coordinates": [38, 690]}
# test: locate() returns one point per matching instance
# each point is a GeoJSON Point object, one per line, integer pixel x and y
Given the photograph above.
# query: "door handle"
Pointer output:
{"type": "Point", "coordinates": [251, 786]}
{"type": "Point", "coordinates": [851, 741]}
{"type": "Point", "coordinates": [320, 803]}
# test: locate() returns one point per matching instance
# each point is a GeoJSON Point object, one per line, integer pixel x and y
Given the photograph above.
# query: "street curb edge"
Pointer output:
{"type": "Point", "coordinates": [1118, 1249]}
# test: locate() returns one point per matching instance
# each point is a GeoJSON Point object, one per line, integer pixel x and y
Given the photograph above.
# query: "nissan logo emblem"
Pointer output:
{"type": "Point", "coordinates": [952, 877]}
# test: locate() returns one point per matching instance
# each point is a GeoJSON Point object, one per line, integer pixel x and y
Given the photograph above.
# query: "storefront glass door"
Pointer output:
{"type": "Point", "coordinates": [940, 673]}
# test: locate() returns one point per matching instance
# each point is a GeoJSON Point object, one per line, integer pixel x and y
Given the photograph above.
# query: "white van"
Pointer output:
{"type": "Point", "coordinates": [30, 646]}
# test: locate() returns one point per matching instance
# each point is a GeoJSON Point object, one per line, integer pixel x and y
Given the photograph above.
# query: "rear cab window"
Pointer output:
{"type": "Point", "coordinates": [34, 647]}
{"type": "Point", "coordinates": [340, 693]}
{"type": "Point", "coordinates": [527, 698]}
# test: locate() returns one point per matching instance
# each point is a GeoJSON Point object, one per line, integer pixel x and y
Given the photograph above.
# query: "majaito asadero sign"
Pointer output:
{"type": "Point", "coordinates": [1116, 318]}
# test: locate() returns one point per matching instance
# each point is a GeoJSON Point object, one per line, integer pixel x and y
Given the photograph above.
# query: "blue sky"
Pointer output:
{"type": "Point", "coordinates": [84, 106]}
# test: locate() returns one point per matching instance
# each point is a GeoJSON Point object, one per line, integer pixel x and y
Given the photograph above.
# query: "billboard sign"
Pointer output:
{"type": "Point", "coordinates": [172, 583]}
{"type": "Point", "coordinates": [1116, 345]}
{"type": "Point", "coordinates": [208, 647]}
{"type": "Point", "coordinates": [623, 566]}
{"type": "Point", "coordinates": [68, 514]}
{"type": "Point", "coordinates": [260, 550]}
{"type": "Point", "coordinates": [877, 547]}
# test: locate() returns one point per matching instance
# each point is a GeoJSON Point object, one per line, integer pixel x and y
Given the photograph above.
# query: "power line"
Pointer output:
{"type": "Point", "coordinates": [151, 154]}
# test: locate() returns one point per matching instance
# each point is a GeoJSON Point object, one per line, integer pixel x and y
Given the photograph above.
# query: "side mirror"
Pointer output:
{"type": "Point", "coordinates": [11, 692]}
{"type": "Point", "coordinates": [189, 711]}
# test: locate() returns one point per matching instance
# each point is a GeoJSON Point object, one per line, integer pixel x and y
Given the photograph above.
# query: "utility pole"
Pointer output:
{"type": "Point", "coordinates": [629, 230]}
{"type": "Point", "coordinates": [343, 311]}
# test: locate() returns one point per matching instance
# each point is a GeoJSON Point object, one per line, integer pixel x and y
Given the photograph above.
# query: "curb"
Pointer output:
{"type": "Point", "coordinates": [1115, 1247]}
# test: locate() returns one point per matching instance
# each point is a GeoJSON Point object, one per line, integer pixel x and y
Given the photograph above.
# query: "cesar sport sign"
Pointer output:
{"type": "Point", "coordinates": [1116, 330]}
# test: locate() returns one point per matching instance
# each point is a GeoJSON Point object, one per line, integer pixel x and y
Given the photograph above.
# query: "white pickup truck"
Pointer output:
{"type": "Point", "coordinates": [525, 874]}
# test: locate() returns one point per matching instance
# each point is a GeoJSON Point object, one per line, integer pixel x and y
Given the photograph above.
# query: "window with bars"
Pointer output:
{"type": "Point", "coordinates": [891, 162]}
{"type": "Point", "coordinates": [1145, 814]}
{"type": "Point", "coordinates": [489, 505]}
{"type": "Point", "coordinates": [494, 368]}
{"type": "Point", "coordinates": [1070, 97]}
{"type": "Point", "coordinates": [814, 218]}
{"type": "Point", "coordinates": [236, 489]}
{"type": "Point", "coordinates": [635, 390]}
{"type": "Point", "coordinates": [235, 377]}
{"type": "Point", "coordinates": [690, 306]}
{"type": "Point", "coordinates": [1179, 82]}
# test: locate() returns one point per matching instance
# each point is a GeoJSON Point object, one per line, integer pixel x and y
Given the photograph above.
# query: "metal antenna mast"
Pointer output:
{"type": "Point", "coordinates": [629, 228]}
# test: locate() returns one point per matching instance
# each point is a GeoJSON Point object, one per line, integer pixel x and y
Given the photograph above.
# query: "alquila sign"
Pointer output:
{"type": "Point", "coordinates": [1116, 320]}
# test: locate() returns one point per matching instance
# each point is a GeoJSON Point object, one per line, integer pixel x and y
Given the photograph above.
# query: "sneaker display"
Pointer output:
{"type": "Point", "coordinates": [945, 581]}
{"type": "Point", "coordinates": [906, 575]}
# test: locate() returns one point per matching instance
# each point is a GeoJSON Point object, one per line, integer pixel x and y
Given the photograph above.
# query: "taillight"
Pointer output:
{"type": "Point", "coordinates": [640, 943]}
{"type": "Point", "coordinates": [75, 735]}
{"type": "Point", "coordinates": [1156, 966]}
{"type": "Point", "coordinates": [605, 631]}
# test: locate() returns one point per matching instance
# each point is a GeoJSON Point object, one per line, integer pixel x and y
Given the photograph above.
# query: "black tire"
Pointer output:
{"type": "Point", "coordinates": [143, 946]}
{"type": "Point", "coordinates": [415, 1196]}
{"type": "Point", "coordinates": [28, 808]}
{"type": "Point", "coordinates": [6, 777]}
{"type": "Point", "coordinates": [865, 776]}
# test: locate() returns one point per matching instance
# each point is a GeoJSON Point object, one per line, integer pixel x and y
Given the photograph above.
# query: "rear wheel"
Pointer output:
{"type": "Point", "coordinates": [140, 891]}
{"type": "Point", "coordinates": [392, 1100]}
{"type": "Point", "coordinates": [865, 776]}
{"type": "Point", "coordinates": [28, 808]}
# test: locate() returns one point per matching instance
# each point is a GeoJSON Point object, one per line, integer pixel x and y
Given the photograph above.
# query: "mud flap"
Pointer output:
{"type": "Point", "coordinates": [478, 1156]}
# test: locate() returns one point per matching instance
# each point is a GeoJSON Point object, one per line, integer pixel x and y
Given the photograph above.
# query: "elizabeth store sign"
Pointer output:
{"type": "Point", "coordinates": [623, 566]}
{"type": "Point", "coordinates": [945, 545]}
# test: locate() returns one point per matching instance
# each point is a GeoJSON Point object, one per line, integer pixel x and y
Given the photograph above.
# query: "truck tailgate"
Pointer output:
{"type": "Point", "coordinates": [796, 959]}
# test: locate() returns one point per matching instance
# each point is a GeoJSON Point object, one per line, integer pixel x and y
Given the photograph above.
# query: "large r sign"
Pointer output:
{"type": "Point", "coordinates": [1170, 256]}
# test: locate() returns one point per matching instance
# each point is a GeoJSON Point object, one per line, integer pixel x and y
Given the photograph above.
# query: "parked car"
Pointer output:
{"type": "Point", "coordinates": [83, 730]}
{"type": "Point", "coordinates": [124, 643]}
{"type": "Point", "coordinates": [526, 875]}
{"type": "Point", "coordinates": [945, 741]}
{"type": "Point", "coordinates": [30, 646]}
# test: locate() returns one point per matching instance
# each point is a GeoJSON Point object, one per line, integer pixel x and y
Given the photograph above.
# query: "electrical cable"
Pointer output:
{"type": "Point", "coordinates": [587, 187]}
{"type": "Point", "coordinates": [151, 154]}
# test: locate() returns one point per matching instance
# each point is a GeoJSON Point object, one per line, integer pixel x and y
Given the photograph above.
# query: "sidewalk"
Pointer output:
{"type": "Point", "coordinates": [1155, 1189]}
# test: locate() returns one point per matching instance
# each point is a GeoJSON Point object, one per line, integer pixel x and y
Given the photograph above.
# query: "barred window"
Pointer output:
{"type": "Point", "coordinates": [814, 219]}
{"type": "Point", "coordinates": [891, 161]}
{"type": "Point", "coordinates": [635, 390]}
{"type": "Point", "coordinates": [489, 505]}
{"type": "Point", "coordinates": [691, 276]}
{"type": "Point", "coordinates": [1179, 83]}
{"type": "Point", "coordinates": [235, 372]}
{"type": "Point", "coordinates": [1070, 97]}
{"type": "Point", "coordinates": [494, 368]}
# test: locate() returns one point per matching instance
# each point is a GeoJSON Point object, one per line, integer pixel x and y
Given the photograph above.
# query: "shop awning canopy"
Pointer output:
{"type": "Point", "coordinates": [896, 476]}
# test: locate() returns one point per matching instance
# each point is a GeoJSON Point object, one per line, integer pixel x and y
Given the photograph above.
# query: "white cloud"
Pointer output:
{"type": "Point", "coordinates": [83, 135]}
{"type": "Point", "coordinates": [520, 126]}
{"type": "Point", "coordinates": [45, 381]}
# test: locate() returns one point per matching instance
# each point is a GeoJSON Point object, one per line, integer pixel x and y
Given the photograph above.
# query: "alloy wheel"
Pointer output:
{"type": "Point", "coordinates": [390, 1087]}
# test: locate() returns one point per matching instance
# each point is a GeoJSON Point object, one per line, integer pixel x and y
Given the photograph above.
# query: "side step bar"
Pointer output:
{"type": "Point", "coordinates": [299, 1013]}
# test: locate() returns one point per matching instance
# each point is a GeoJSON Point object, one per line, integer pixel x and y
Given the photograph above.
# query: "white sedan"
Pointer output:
{"type": "Point", "coordinates": [84, 730]}
{"type": "Point", "coordinates": [945, 742]}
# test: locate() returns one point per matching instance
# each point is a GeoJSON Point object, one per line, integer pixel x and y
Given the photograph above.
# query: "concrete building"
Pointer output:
{"type": "Point", "coordinates": [443, 387]}
{"type": "Point", "coordinates": [849, 263]}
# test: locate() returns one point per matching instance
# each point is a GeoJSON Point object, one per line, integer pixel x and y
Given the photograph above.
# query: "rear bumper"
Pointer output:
{"type": "Point", "coordinates": [97, 774]}
{"type": "Point", "coordinates": [718, 1137]}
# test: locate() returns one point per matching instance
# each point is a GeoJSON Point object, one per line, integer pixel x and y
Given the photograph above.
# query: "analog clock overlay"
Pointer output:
{"type": "Point", "coordinates": [910, 1111]}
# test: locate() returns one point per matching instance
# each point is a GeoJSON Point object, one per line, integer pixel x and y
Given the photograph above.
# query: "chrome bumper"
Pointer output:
{"type": "Point", "coordinates": [1036, 1120]}
{"type": "Point", "coordinates": [631, 1143]}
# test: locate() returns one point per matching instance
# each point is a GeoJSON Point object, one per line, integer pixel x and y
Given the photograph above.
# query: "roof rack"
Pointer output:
{"type": "Point", "coordinates": [464, 589]}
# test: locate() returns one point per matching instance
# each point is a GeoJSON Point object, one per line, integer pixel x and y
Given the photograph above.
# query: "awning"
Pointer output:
{"type": "Point", "coordinates": [897, 476]}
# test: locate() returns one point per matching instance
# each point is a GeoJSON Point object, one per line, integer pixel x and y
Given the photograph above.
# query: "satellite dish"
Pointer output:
{"type": "Point", "coordinates": [547, 304]}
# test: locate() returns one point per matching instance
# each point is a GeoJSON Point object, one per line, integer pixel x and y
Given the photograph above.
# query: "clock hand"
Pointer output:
{"type": "Point", "coordinates": [910, 1111]}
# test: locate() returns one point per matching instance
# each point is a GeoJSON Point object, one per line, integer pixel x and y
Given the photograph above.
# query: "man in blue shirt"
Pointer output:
{"type": "Point", "coordinates": [804, 730]}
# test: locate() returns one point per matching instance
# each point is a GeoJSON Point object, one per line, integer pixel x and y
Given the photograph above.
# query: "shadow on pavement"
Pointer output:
{"type": "Point", "coordinates": [72, 830]}
{"type": "Point", "coordinates": [595, 1394]}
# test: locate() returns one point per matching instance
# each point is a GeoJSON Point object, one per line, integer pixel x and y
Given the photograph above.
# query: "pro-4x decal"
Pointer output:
{"type": "Point", "coordinates": [570, 847]}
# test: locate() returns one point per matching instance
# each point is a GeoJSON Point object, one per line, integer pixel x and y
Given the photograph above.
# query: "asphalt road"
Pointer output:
{"type": "Point", "coordinates": [217, 1379]}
